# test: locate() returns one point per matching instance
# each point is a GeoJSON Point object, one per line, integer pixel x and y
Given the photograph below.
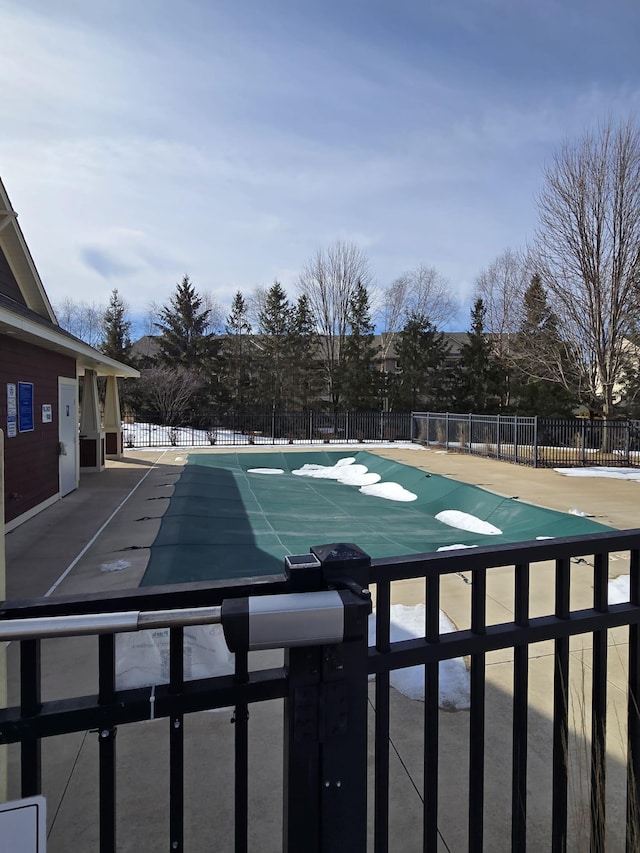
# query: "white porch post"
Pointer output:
{"type": "Point", "coordinates": [112, 420]}
{"type": "Point", "coordinates": [91, 434]}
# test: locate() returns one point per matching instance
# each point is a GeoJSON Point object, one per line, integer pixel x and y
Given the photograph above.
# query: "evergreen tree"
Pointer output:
{"type": "Point", "coordinates": [116, 339]}
{"type": "Point", "coordinates": [544, 373]}
{"type": "Point", "coordinates": [274, 359]}
{"type": "Point", "coordinates": [305, 372]}
{"type": "Point", "coordinates": [189, 348]}
{"type": "Point", "coordinates": [423, 381]}
{"type": "Point", "coordinates": [478, 377]}
{"type": "Point", "coordinates": [237, 355]}
{"type": "Point", "coordinates": [359, 379]}
{"type": "Point", "coordinates": [185, 340]}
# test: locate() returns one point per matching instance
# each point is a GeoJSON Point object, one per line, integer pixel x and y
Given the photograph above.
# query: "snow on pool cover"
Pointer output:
{"type": "Point", "coordinates": [239, 514]}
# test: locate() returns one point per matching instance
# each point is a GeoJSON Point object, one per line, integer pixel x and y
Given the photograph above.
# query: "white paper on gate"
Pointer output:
{"type": "Point", "coordinates": [142, 657]}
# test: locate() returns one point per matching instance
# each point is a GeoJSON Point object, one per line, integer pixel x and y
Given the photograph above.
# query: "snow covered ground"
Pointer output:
{"type": "Point", "coordinates": [143, 435]}
{"type": "Point", "coordinates": [603, 471]}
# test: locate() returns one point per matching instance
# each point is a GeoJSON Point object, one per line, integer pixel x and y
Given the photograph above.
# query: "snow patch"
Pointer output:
{"type": "Point", "coordinates": [456, 547]}
{"type": "Point", "coordinates": [604, 471]}
{"type": "Point", "coordinates": [118, 566]}
{"type": "Point", "coordinates": [142, 657]}
{"type": "Point", "coordinates": [466, 521]}
{"type": "Point", "coordinates": [345, 471]}
{"type": "Point", "coordinates": [390, 491]}
{"type": "Point", "coordinates": [619, 590]}
{"type": "Point", "coordinates": [265, 470]}
{"type": "Point", "coordinates": [408, 623]}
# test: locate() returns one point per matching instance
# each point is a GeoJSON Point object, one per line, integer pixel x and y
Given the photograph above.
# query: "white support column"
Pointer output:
{"type": "Point", "coordinates": [91, 434]}
{"type": "Point", "coordinates": [112, 419]}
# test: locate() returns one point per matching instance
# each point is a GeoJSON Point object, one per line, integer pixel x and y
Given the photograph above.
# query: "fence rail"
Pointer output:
{"type": "Point", "coordinates": [271, 428]}
{"type": "Point", "coordinates": [538, 442]}
{"type": "Point", "coordinates": [323, 796]}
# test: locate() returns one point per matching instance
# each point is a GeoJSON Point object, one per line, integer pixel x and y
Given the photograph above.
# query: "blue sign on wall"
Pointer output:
{"type": "Point", "coordinates": [25, 406]}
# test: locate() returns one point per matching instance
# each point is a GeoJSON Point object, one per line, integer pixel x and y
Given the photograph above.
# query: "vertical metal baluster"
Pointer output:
{"type": "Point", "coordinates": [561, 713]}
{"type": "Point", "coordinates": [599, 708]}
{"type": "Point", "coordinates": [520, 714]}
{"type": "Point", "coordinates": [107, 745]}
{"type": "Point", "coordinates": [30, 699]}
{"type": "Point", "coordinates": [381, 785]}
{"type": "Point", "coordinates": [477, 715]}
{"type": "Point", "coordinates": [431, 716]}
{"type": "Point", "coordinates": [176, 743]}
{"type": "Point", "coordinates": [633, 715]}
{"type": "Point", "coordinates": [241, 719]}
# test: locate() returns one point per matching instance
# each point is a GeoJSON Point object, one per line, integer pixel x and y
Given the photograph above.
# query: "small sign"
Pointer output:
{"type": "Point", "coordinates": [25, 406]}
{"type": "Point", "coordinates": [23, 825]}
{"type": "Point", "coordinates": [46, 413]}
{"type": "Point", "coordinates": [12, 410]}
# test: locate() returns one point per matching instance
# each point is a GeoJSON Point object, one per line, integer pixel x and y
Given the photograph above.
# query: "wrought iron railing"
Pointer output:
{"type": "Point", "coordinates": [229, 428]}
{"type": "Point", "coordinates": [538, 442]}
{"type": "Point", "coordinates": [324, 714]}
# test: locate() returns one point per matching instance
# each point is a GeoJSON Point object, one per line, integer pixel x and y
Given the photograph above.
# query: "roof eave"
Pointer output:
{"type": "Point", "coordinates": [86, 357]}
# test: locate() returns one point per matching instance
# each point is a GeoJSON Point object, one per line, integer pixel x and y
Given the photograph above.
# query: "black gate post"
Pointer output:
{"type": "Point", "coordinates": [325, 756]}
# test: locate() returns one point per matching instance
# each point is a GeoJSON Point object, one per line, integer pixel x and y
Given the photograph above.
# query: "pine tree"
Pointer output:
{"type": "Point", "coordinates": [237, 355]}
{"type": "Point", "coordinates": [275, 320]}
{"type": "Point", "coordinates": [116, 340]}
{"type": "Point", "coordinates": [305, 372]}
{"type": "Point", "coordinates": [544, 374]}
{"type": "Point", "coordinates": [422, 352]}
{"type": "Point", "coordinates": [478, 378]}
{"type": "Point", "coordinates": [359, 380]}
{"type": "Point", "coordinates": [185, 340]}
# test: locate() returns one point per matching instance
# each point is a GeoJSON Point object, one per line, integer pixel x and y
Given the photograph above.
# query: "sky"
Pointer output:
{"type": "Point", "coordinates": [231, 139]}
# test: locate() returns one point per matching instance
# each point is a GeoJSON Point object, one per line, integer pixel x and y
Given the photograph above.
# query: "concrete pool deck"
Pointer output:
{"type": "Point", "coordinates": [73, 548]}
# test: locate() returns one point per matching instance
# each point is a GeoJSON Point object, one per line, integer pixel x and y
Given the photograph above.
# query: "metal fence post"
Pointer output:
{"type": "Point", "coordinates": [325, 754]}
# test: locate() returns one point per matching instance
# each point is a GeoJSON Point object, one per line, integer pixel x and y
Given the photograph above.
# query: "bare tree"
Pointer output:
{"type": "Point", "coordinates": [256, 302]}
{"type": "Point", "coordinates": [420, 292]}
{"type": "Point", "coordinates": [82, 319]}
{"type": "Point", "coordinates": [216, 315]}
{"type": "Point", "coordinates": [588, 249]}
{"type": "Point", "coordinates": [502, 287]}
{"type": "Point", "coordinates": [168, 393]}
{"type": "Point", "coordinates": [329, 281]}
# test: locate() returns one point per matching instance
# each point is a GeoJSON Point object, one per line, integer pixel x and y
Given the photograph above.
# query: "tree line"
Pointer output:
{"type": "Point", "coordinates": [551, 327]}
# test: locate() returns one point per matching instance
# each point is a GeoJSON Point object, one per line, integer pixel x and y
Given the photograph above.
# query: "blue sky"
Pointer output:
{"type": "Point", "coordinates": [230, 140]}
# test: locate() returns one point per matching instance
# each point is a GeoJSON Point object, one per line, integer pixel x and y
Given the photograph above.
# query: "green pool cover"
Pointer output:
{"type": "Point", "coordinates": [224, 522]}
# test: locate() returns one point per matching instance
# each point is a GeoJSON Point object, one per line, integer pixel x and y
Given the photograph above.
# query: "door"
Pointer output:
{"type": "Point", "coordinates": [68, 436]}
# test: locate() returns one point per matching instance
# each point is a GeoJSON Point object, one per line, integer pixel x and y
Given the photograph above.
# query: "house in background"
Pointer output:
{"type": "Point", "coordinates": [48, 437]}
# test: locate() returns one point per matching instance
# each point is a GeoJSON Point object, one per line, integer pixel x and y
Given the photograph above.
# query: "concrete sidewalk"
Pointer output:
{"type": "Point", "coordinates": [97, 539]}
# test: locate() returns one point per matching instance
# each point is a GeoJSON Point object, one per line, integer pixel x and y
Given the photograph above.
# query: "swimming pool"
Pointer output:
{"type": "Point", "coordinates": [239, 514]}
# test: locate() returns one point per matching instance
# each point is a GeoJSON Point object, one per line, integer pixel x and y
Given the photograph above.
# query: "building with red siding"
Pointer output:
{"type": "Point", "coordinates": [49, 437]}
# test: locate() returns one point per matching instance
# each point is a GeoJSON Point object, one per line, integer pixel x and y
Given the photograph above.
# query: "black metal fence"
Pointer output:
{"type": "Point", "coordinates": [500, 776]}
{"type": "Point", "coordinates": [271, 428]}
{"type": "Point", "coordinates": [539, 442]}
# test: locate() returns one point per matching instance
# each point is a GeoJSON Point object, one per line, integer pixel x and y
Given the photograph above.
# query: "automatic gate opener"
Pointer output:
{"type": "Point", "coordinates": [258, 622]}
{"type": "Point", "coordinates": [294, 619]}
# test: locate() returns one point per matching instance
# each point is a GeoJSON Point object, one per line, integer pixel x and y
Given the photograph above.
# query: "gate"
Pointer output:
{"type": "Point", "coordinates": [338, 779]}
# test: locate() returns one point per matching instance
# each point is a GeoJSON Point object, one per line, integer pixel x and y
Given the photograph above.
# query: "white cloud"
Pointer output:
{"type": "Point", "coordinates": [231, 142]}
